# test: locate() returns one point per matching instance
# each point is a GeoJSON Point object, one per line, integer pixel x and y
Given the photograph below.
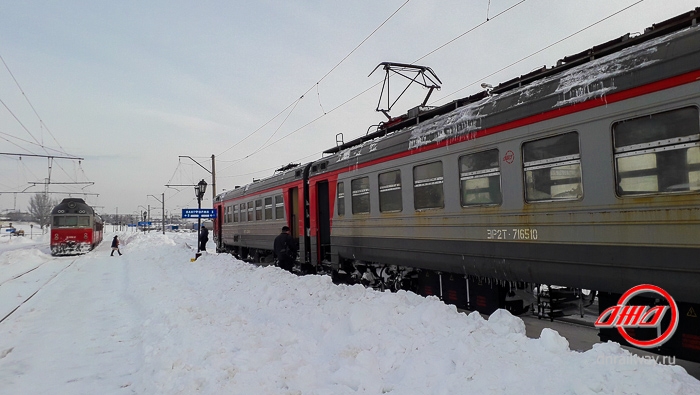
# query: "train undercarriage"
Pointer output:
{"type": "Point", "coordinates": [70, 248]}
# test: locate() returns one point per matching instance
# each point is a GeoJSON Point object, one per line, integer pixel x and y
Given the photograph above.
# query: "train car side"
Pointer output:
{"type": "Point", "coordinates": [254, 214]}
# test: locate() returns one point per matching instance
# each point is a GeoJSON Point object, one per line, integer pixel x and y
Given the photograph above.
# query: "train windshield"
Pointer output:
{"type": "Point", "coordinates": [71, 221]}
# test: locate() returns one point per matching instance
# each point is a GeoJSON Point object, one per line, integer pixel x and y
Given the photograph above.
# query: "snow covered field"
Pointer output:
{"type": "Point", "coordinates": [152, 322]}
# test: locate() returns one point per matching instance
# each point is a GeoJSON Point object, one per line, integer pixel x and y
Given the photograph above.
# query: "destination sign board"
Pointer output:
{"type": "Point", "coordinates": [198, 213]}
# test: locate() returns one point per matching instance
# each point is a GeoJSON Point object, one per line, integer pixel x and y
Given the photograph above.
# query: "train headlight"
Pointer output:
{"type": "Point", "coordinates": [55, 237]}
{"type": "Point", "coordinates": [85, 236]}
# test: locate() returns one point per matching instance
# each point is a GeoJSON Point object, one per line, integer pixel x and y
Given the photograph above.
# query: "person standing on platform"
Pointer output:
{"type": "Point", "coordinates": [203, 239]}
{"type": "Point", "coordinates": [285, 250]}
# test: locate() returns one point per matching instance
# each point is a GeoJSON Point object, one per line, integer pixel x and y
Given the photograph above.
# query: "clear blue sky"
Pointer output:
{"type": "Point", "coordinates": [131, 85]}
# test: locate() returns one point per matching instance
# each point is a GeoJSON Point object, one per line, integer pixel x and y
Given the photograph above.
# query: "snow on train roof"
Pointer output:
{"type": "Point", "coordinates": [591, 80]}
{"type": "Point", "coordinates": [576, 85]}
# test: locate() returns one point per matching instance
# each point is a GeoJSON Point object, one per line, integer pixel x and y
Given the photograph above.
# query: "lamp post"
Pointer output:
{"type": "Point", "coordinates": [199, 191]}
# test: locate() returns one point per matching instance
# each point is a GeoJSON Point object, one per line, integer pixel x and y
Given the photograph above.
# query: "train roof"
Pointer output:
{"type": "Point", "coordinates": [72, 206]}
{"type": "Point", "coordinates": [666, 50]}
{"type": "Point", "coordinates": [576, 78]}
{"type": "Point", "coordinates": [282, 176]}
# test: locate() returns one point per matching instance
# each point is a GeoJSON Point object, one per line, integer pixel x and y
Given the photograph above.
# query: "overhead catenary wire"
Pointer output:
{"type": "Point", "coordinates": [473, 83]}
{"type": "Point", "coordinates": [539, 51]}
{"type": "Point", "coordinates": [321, 79]}
{"type": "Point", "coordinates": [41, 122]}
{"type": "Point", "coordinates": [37, 142]}
{"type": "Point", "coordinates": [379, 83]}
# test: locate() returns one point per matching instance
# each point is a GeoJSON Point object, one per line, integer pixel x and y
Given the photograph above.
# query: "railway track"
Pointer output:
{"type": "Point", "coordinates": [26, 299]}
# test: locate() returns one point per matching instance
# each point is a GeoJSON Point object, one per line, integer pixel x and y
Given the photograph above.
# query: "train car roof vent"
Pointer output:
{"type": "Point", "coordinates": [416, 111]}
{"type": "Point", "coordinates": [324, 165]}
{"type": "Point", "coordinates": [297, 173]}
{"type": "Point", "coordinates": [287, 167]}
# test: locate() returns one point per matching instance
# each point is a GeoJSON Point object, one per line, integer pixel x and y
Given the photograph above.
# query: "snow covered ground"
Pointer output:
{"type": "Point", "coordinates": [153, 322]}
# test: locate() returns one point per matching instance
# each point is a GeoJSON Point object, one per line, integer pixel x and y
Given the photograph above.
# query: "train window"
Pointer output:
{"type": "Point", "coordinates": [390, 192]}
{"type": "Point", "coordinates": [251, 213]}
{"type": "Point", "coordinates": [258, 210]}
{"type": "Point", "coordinates": [553, 169]}
{"type": "Point", "coordinates": [427, 186]}
{"type": "Point", "coordinates": [243, 212]}
{"type": "Point", "coordinates": [268, 208]}
{"type": "Point", "coordinates": [235, 213]}
{"type": "Point", "coordinates": [279, 207]}
{"type": "Point", "coordinates": [480, 178]}
{"type": "Point", "coordinates": [83, 221]}
{"type": "Point", "coordinates": [658, 153]}
{"type": "Point", "coordinates": [360, 195]}
{"type": "Point", "coordinates": [69, 220]}
{"type": "Point", "coordinates": [341, 198]}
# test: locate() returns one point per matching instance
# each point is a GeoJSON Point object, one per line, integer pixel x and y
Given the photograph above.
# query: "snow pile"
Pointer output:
{"type": "Point", "coordinates": [152, 322]}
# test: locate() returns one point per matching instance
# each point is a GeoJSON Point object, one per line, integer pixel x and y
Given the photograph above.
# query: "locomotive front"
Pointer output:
{"type": "Point", "coordinates": [74, 227]}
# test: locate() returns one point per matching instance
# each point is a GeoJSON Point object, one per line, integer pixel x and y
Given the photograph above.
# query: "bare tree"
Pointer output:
{"type": "Point", "coordinates": [40, 206]}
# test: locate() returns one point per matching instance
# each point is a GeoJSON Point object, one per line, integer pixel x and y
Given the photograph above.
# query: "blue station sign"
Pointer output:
{"type": "Point", "coordinates": [198, 213]}
{"type": "Point", "coordinates": [144, 223]}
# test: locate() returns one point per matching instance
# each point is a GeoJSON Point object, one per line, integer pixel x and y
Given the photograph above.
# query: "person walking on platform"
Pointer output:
{"type": "Point", "coordinates": [285, 250]}
{"type": "Point", "coordinates": [115, 246]}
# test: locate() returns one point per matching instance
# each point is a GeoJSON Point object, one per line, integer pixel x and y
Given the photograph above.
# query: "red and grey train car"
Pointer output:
{"type": "Point", "coordinates": [75, 227]}
{"type": "Point", "coordinates": [250, 217]}
{"type": "Point", "coordinates": [584, 175]}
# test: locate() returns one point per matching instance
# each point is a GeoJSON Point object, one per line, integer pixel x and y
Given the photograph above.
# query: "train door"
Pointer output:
{"type": "Point", "coordinates": [219, 226]}
{"type": "Point", "coordinates": [293, 199]}
{"type": "Point", "coordinates": [294, 212]}
{"type": "Point", "coordinates": [324, 222]}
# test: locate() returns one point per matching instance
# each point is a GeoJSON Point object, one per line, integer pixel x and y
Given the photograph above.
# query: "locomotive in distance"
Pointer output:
{"type": "Point", "coordinates": [75, 227]}
{"type": "Point", "coordinates": [584, 175]}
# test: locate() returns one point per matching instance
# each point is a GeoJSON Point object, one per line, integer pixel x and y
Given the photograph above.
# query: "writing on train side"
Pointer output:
{"type": "Point", "coordinates": [512, 234]}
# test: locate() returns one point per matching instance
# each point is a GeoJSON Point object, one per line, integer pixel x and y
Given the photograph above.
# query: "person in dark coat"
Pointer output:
{"type": "Point", "coordinates": [285, 249]}
{"type": "Point", "coordinates": [115, 246]}
{"type": "Point", "coordinates": [203, 239]}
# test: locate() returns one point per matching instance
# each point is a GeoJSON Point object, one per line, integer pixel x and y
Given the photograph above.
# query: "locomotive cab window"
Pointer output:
{"type": "Point", "coordinates": [360, 195]}
{"type": "Point", "coordinates": [427, 186]}
{"type": "Point", "coordinates": [65, 221]}
{"type": "Point", "coordinates": [341, 198]}
{"type": "Point", "coordinates": [279, 207]}
{"type": "Point", "coordinates": [480, 179]}
{"type": "Point", "coordinates": [83, 221]}
{"type": "Point", "coordinates": [658, 153]}
{"type": "Point", "coordinates": [553, 169]}
{"type": "Point", "coordinates": [390, 192]}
